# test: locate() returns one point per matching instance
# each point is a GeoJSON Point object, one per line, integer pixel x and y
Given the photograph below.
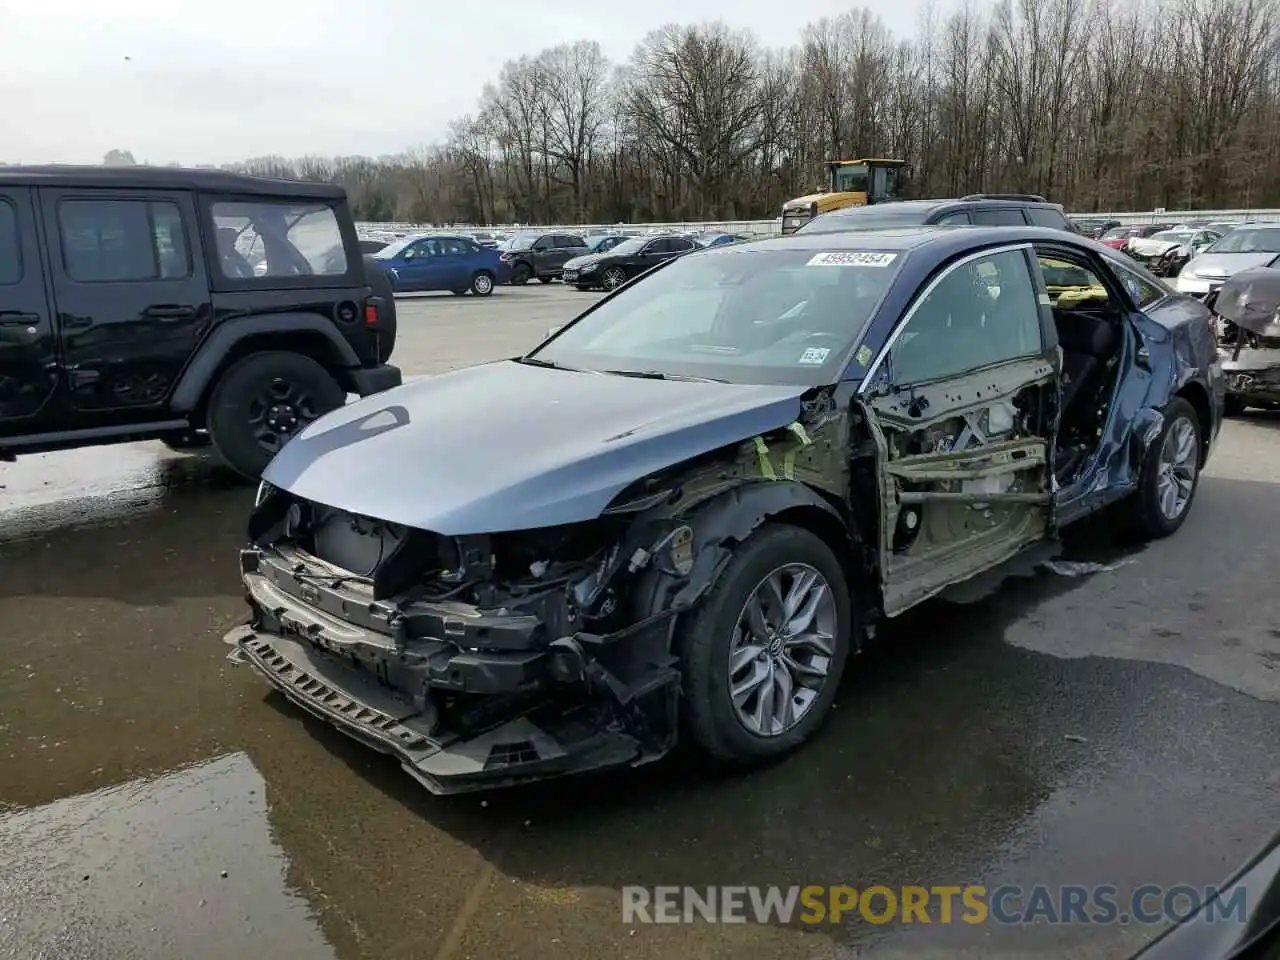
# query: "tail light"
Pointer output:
{"type": "Point", "coordinates": [371, 312]}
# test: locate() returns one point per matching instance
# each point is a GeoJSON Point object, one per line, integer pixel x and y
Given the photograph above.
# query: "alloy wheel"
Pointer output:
{"type": "Point", "coordinates": [782, 648]}
{"type": "Point", "coordinates": [1176, 473]}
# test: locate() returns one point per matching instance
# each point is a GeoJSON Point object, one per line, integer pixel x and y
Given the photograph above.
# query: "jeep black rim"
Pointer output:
{"type": "Point", "coordinates": [279, 412]}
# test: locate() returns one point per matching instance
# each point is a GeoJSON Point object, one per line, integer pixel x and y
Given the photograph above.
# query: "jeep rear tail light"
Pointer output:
{"type": "Point", "coordinates": [371, 313]}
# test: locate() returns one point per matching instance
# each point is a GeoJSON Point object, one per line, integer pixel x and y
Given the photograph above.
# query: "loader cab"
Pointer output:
{"type": "Point", "coordinates": [850, 183]}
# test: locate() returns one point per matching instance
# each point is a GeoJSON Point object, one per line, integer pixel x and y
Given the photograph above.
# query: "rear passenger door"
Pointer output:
{"type": "Point", "coordinates": [960, 402]}
{"type": "Point", "coordinates": [130, 291]}
{"type": "Point", "coordinates": [28, 342]}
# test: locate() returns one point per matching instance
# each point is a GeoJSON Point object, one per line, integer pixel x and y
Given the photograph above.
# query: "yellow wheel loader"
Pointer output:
{"type": "Point", "coordinates": [853, 183]}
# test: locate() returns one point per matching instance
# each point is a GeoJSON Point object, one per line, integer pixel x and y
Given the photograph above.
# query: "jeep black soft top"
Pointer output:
{"type": "Point", "coordinates": [189, 306]}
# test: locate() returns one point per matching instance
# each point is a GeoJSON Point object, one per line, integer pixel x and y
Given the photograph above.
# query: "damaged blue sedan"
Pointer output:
{"type": "Point", "coordinates": [686, 510]}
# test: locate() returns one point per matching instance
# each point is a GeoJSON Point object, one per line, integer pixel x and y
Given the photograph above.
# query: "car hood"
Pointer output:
{"type": "Point", "coordinates": [1149, 247]}
{"type": "Point", "coordinates": [577, 263]}
{"type": "Point", "coordinates": [509, 446]}
{"type": "Point", "coordinates": [1219, 265]}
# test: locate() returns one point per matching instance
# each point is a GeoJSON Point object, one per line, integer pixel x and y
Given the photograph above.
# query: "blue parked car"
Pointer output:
{"type": "Point", "coordinates": [438, 262]}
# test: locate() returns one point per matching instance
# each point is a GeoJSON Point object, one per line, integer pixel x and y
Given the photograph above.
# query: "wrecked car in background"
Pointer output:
{"type": "Point", "coordinates": [688, 508]}
{"type": "Point", "coordinates": [1245, 247]}
{"type": "Point", "coordinates": [1167, 252]}
{"type": "Point", "coordinates": [1247, 308]}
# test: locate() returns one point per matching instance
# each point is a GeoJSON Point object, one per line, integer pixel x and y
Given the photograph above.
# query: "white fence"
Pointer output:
{"type": "Point", "coordinates": [768, 228]}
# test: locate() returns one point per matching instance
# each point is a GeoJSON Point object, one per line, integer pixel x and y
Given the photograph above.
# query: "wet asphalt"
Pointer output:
{"type": "Point", "coordinates": [157, 802]}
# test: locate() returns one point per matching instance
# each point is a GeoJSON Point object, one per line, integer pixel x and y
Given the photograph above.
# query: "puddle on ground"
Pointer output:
{"type": "Point", "coordinates": [181, 865]}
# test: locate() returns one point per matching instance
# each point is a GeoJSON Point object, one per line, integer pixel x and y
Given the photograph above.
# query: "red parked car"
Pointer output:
{"type": "Point", "coordinates": [1117, 237]}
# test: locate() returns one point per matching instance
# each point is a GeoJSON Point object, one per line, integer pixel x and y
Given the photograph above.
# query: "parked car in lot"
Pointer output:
{"type": "Point", "coordinates": [370, 247]}
{"type": "Point", "coordinates": [1242, 248]}
{"type": "Point", "coordinates": [442, 262]}
{"type": "Point", "coordinates": [1167, 252]}
{"type": "Point", "coordinates": [604, 242]}
{"type": "Point", "coordinates": [1117, 238]}
{"type": "Point", "coordinates": [128, 310]}
{"type": "Point", "coordinates": [1247, 309]}
{"type": "Point", "coordinates": [715, 239]}
{"type": "Point", "coordinates": [1093, 227]}
{"type": "Point", "coordinates": [540, 255]}
{"type": "Point", "coordinates": [988, 210]}
{"type": "Point", "coordinates": [630, 258]}
{"type": "Point", "coordinates": [687, 508]}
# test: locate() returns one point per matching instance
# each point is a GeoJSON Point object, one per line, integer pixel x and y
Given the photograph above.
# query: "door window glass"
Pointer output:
{"type": "Point", "coordinates": [10, 245]}
{"type": "Point", "coordinates": [265, 239]}
{"type": "Point", "coordinates": [1047, 217]}
{"type": "Point", "coordinates": [452, 247]}
{"type": "Point", "coordinates": [111, 241]}
{"type": "Point", "coordinates": [980, 313]}
{"type": "Point", "coordinates": [959, 217]}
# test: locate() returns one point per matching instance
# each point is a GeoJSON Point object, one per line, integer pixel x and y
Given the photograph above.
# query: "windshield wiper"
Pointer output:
{"type": "Point", "coordinates": [659, 375]}
{"type": "Point", "coordinates": [549, 364]}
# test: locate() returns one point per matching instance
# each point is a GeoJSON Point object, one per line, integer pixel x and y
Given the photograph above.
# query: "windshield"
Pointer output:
{"type": "Point", "coordinates": [630, 246]}
{"type": "Point", "coordinates": [1249, 240]}
{"type": "Point", "coordinates": [392, 250]}
{"type": "Point", "coordinates": [1174, 236]}
{"type": "Point", "coordinates": [741, 315]}
{"type": "Point", "coordinates": [865, 218]}
{"type": "Point", "coordinates": [522, 241]}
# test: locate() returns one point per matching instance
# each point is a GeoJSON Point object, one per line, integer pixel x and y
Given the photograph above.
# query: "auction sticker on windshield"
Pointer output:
{"type": "Point", "coordinates": [852, 258]}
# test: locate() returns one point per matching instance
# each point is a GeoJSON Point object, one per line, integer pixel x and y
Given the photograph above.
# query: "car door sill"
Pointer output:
{"type": "Point", "coordinates": [63, 437]}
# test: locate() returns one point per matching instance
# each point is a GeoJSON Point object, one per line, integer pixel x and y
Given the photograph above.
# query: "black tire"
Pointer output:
{"type": "Point", "coordinates": [545, 279]}
{"type": "Point", "coordinates": [238, 405]}
{"type": "Point", "coordinates": [380, 287]}
{"type": "Point", "coordinates": [458, 293]}
{"type": "Point", "coordinates": [182, 442]}
{"type": "Point", "coordinates": [521, 274]}
{"type": "Point", "coordinates": [705, 643]}
{"type": "Point", "coordinates": [1149, 520]}
{"type": "Point", "coordinates": [1234, 405]}
{"type": "Point", "coordinates": [482, 283]}
{"type": "Point", "coordinates": [613, 278]}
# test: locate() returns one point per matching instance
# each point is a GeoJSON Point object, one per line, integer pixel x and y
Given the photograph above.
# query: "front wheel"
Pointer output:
{"type": "Point", "coordinates": [520, 274]}
{"type": "Point", "coordinates": [482, 284]}
{"type": "Point", "coordinates": [613, 278]}
{"type": "Point", "coordinates": [1170, 473]}
{"type": "Point", "coordinates": [765, 650]}
{"type": "Point", "coordinates": [265, 400]}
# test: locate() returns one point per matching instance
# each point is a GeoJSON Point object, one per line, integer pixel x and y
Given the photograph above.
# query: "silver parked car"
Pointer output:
{"type": "Point", "coordinates": [1242, 248]}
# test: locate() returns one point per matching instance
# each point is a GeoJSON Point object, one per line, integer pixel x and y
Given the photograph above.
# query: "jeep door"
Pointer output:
{"type": "Point", "coordinates": [960, 402]}
{"type": "Point", "coordinates": [28, 343]}
{"type": "Point", "coordinates": [131, 294]}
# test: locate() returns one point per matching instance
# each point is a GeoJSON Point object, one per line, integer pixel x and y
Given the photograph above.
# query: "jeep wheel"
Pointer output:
{"type": "Point", "coordinates": [482, 283]}
{"type": "Point", "coordinates": [263, 401]}
{"type": "Point", "coordinates": [1170, 473]}
{"type": "Point", "coordinates": [520, 274]}
{"type": "Point", "coordinates": [765, 649]}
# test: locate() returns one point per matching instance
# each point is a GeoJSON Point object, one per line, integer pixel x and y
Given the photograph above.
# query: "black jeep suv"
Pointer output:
{"type": "Point", "coordinates": [188, 306]}
{"type": "Point", "coordinates": [541, 255]}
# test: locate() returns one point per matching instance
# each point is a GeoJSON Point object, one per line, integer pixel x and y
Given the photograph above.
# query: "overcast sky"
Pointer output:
{"type": "Point", "coordinates": [212, 82]}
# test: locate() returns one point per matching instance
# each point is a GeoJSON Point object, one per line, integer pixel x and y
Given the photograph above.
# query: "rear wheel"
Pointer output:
{"type": "Point", "coordinates": [765, 649]}
{"type": "Point", "coordinates": [265, 400]}
{"type": "Point", "coordinates": [482, 284]}
{"type": "Point", "coordinates": [520, 274]}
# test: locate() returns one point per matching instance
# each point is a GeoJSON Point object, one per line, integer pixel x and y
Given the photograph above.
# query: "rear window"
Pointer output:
{"type": "Point", "coordinates": [1047, 217]}
{"type": "Point", "coordinates": [268, 240]}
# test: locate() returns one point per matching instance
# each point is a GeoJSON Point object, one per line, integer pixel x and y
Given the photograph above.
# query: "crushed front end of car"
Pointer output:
{"type": "Point", "coordinates": [1247, 314]}
{"type": "Point", "coordinates": [477, 661]}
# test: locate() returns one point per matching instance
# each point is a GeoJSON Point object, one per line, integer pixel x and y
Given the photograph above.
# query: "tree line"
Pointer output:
{"type": "Point", "coordinates": [1097, 104]}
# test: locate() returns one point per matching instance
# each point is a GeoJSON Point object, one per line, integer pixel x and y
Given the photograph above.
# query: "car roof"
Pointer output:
{"type": "Point", "coordinates": [942, 241]}
{"type": "Point", "coordinates": [172, 178]}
